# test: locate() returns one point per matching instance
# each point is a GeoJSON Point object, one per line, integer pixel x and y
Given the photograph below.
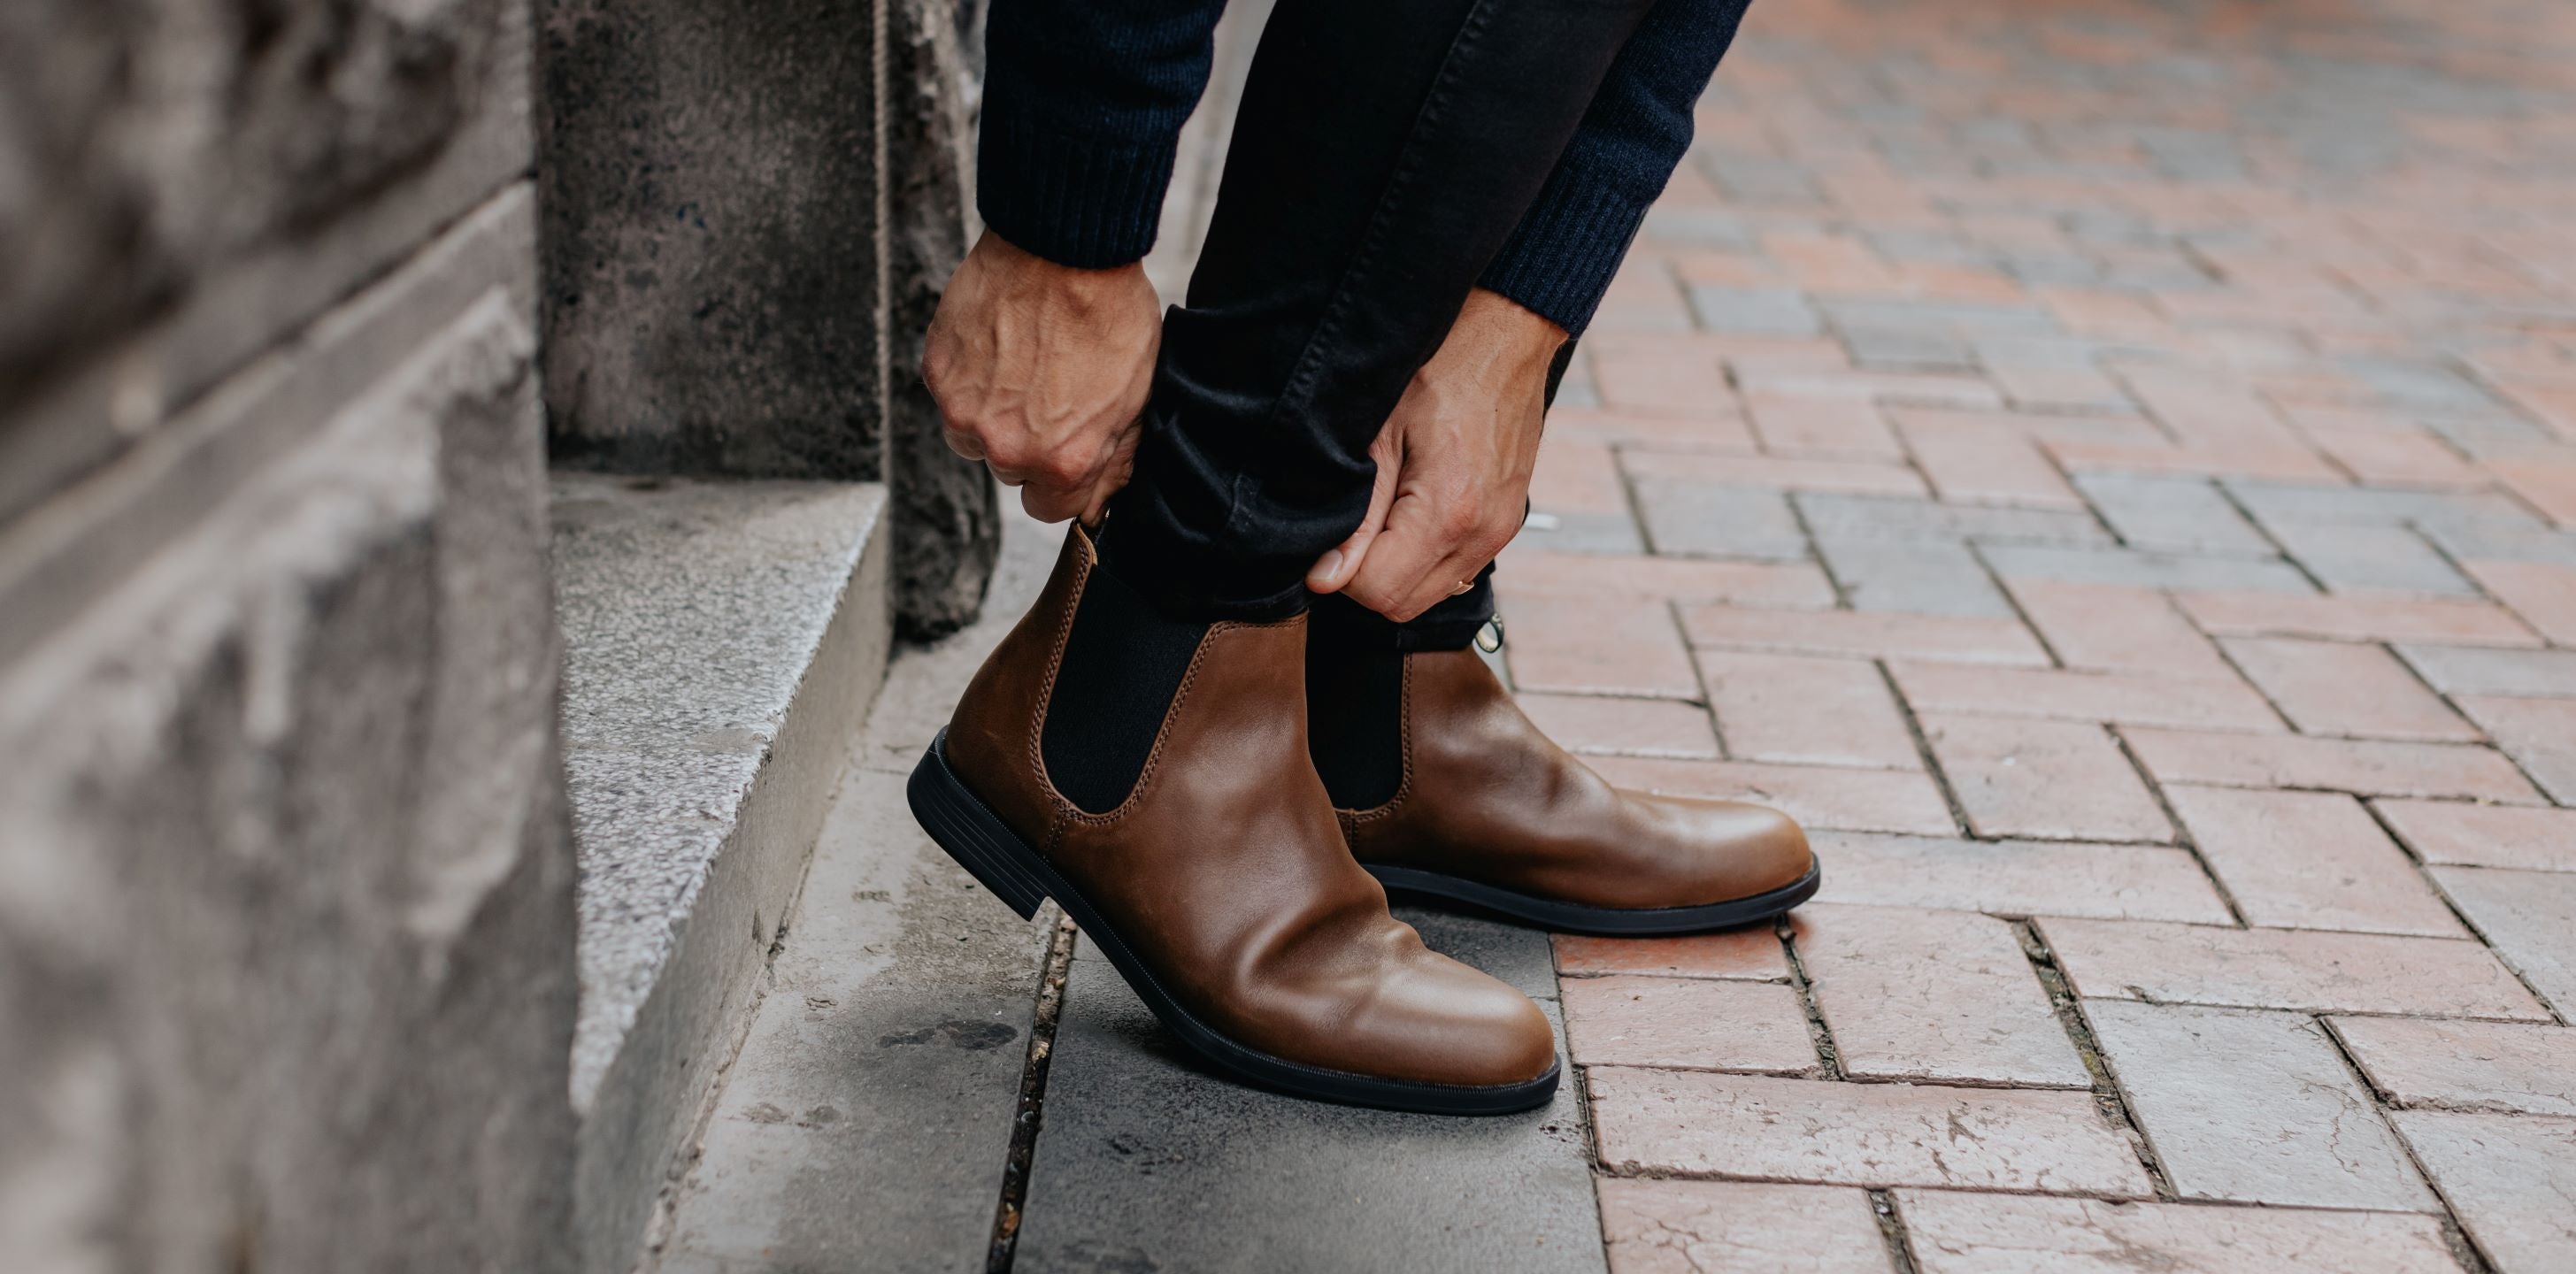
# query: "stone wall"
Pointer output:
{"type": "Point", "coordinates": [750, 209]}
{"type": "Point", "coordinates": [947, 512]}
{"type": "Point", "coordinates": [287, 922]}
{"type": "Point", "coordinates": [286, 942]}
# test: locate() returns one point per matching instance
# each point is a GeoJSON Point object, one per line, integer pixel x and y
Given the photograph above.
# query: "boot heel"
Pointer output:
{"type": "Point", "coordinates": [971, 834]}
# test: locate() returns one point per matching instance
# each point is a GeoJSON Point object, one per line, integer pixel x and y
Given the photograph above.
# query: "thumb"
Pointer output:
{"type": "Point", "coordinates": [1336, 567]}
{"type": "Point", "coordinates": [1114, 474]}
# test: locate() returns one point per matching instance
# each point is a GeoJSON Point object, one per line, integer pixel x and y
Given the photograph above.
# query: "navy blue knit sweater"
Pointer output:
{"type": "Point", "coordinates": [1084, 102]}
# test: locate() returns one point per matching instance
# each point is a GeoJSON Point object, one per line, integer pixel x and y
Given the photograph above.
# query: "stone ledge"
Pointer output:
{"type": "Point", "coordinates": [288, 889]}
{"type": "Point", "coordinates": [252, 298]}
{"type": "Point", "coordinates": [723, 643]}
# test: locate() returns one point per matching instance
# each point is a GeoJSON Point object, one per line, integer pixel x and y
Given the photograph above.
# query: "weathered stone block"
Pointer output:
{"type": "Point", "coordinates": [714, 246]}
{"type": "Point", "coordinates": [285, 872]}
{"type": "Point", "coordinates": [947, 516]}
{"type": "Point", "coordinates": [184, 182]}
{"type": "Point", "coordinates": [156, 135]}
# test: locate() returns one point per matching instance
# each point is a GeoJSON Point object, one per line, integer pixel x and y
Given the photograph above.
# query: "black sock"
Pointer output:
{"type": "Point", "coordinates": [1123, 662]}
{"type": "Point", "coordinates": [1355, 718]}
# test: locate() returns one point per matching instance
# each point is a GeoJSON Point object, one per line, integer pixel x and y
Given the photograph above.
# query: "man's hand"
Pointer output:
{"type": "Point", "coordinates": [1453, 464]}
{"type": "Point", "coordinates": [1041, 370]}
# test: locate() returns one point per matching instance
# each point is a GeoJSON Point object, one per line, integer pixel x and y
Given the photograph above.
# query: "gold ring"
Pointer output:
{"type": "Point", "coordinates": [1464, 587]}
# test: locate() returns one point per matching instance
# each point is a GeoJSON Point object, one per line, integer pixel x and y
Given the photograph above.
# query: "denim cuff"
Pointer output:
{"type": "Point", "coordinates": [1342, 624]}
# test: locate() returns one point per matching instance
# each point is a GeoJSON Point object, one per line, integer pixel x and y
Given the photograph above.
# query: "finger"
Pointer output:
{"type": "Point", "coordinates": [1399, 562]}
{"type": "Point", "coordinates": [1339, 564]}
{"type": "Point", "coordinates": [1114, 476]}
{"type": "Point", "coordinates": [1050, 504]}
{"type": "Point", "coordinates": [1452, 577]}
{"type": "Point", "coordinates": [963, 443]}
{"type": "Point", "coordinates": [1063, 487]}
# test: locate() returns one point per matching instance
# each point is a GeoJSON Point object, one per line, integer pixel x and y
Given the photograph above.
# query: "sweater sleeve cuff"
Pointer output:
{"type": "Point", "coordinates": [1560, 260]}
{"type": "Point", "coordinates": [1090, 203]}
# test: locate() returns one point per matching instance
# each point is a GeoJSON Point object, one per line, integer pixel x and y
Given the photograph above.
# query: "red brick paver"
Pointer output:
{"type": "Point", "coordinates": [1942, 996]}
{"type": "Point", "coordinates": [2062, 780]}
{"type": "Point", "coordinates": [1650, 1021]}
{"type": "Point", "coordinates": [2491, 1066]}
{"type": "Point", "coordinates": [2309, 860]}
{"type": "Point", "coordinates": [2008, 1234]}
{"type": "Point", "coordinates": [1739, 1227]}
{"type": "Point", "coordinates": [2111, 469]}
{"type": "Point", "coordinates": [2308, 971]}
{"type": "Point", "coordinates": [2508, 1178]}
{"type": "Point", "coordinates": [1761, 1128]}
{"type": "Point", "coordinates": [2020, 878]}
{"type": "Point", "coordinates": [2254, 1108]}
{"type": "Point", "coordinates": [1750, 954]}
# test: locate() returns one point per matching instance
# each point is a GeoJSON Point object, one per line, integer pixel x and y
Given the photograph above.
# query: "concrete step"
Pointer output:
{"type": "Point", "coordinates": [722, 641]}
{"type": "Point", "coordinates": [865, 1123]}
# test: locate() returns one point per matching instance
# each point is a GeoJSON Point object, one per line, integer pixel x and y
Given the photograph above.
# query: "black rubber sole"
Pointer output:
{"type": "Point", "coordinates": [981, 843]}
{"type": "Point", "coordinates": [1606, 922]}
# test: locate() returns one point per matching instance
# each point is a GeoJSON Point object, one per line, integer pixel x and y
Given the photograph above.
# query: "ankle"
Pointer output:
{"type": "Point", "coordinates": [1123, 662]}
{"type": "Point", "coordinates": [1355, 721]}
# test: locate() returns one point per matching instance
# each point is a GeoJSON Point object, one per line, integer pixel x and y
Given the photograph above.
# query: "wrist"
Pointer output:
{"type": "Point", "coordinates": [1508, 326]}
{"type": "Point", "coordinates": [1496, 335]}
{"type": "Point", "coordinates": [1082, 286]}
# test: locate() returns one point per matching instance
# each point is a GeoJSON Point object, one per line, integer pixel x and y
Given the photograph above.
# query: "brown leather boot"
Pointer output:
{"type": "Point", "coordinates": [1216, 879]}
{"type": "Point", "coordinates": [1486, 810]}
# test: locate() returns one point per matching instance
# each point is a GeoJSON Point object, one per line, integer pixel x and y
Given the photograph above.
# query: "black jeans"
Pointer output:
{"type": "Point", "coordinates": [1382, 155]}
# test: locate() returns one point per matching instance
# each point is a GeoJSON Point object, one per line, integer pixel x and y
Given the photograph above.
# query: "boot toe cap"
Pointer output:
{"type": "Point", "coordinates": [1742, 850]}
{"type": "Point", "coordinates": [1451, 1024]}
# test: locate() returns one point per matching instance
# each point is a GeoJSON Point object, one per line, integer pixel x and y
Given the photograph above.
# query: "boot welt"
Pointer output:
{"type": "Point", "coordinates": [971, 833]}
{"type": "Point", "coordinates": [1607, 922]}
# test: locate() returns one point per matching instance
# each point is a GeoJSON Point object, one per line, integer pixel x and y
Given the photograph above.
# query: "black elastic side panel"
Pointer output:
{"type": "Point", "coordinates": [1122, 665]}
{"type": "Point", "coordinates": [1355, 722]}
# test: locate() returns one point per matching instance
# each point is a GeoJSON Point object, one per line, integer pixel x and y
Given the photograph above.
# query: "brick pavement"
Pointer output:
{"type": "Point", "coordinates": [2110, 469]}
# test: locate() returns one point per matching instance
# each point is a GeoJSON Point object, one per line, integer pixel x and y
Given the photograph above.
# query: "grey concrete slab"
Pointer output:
{"type": "Point", "coordinates": [1147, 1161]}
{"type": "Point", "coordinates": [1707, 519]}
{"type": "Point", "coordinates": [1850, 314]}
{"type": "Point", "coordinates": [1909, 349]}
{"type": "Point", "coordinates": [2472, 670]}
{"type": "Point", "coordinates": [864, 1124]}
{"type": "Point", "coordinates": [2362, 558]}
{"type": "Point", "coordinates": [1837, 516]}
{"type": "Point", "coordinates": [1704, 227]}
{"type": "Point", "coordinates": [2143, 569]}
{"type": "Point", "coordinates": [1921, 577]}
{"type": "Point", "coordinates": [693, 613]}
{"type": "Point", "coordinates": [2503, 542]}
{"type": "Point", "coordinates": [720, 639]}
{"type": "Point", "coordinates": [2171, 514]}
{"type": "Point", "coordinates": [1583, 532]}
{"type": "Point", "coordinates": [1754, 311]}
{"type": "Point", "coordinates": [2448, 510]}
